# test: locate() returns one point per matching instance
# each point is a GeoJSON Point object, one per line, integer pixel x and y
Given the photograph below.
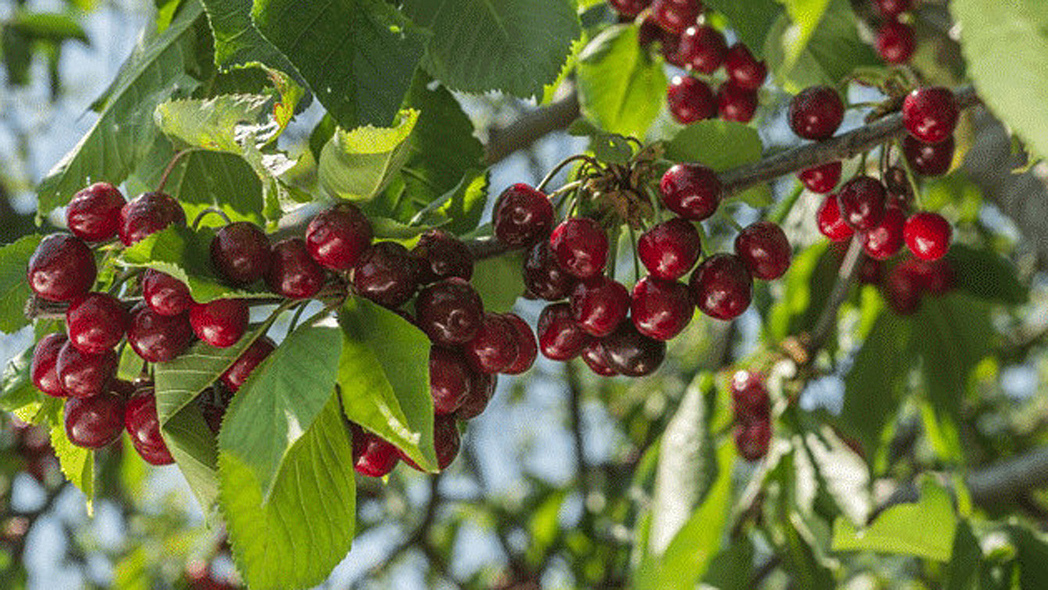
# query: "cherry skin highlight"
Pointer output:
{"type": "Point", "coordinates": [830, 222]}
{"type": "Point", "coordinates": [862, 202]}
{"type": "Point", "coordinates": [97, 322]}
{"type": "Point", "coordinates": [744, 69]}
{"type": "Point", "coordinates": [450, 312]}
{"type": "Point", "coordinates": [692, 191]}
{"type": "Point", "coordinates": [93, 214]}
{"type": "Point", "coordinates": [580, 247]}
{"type": "Point", "coordinates": [928, 159]}
{"type": "Point", "coordinates": [147, 214]}
{"type": "Point", "coordinates": [885, 240]}
{"type": "Point", "coordinates": [670, 249]}
{"type": "Point", "coordinates": [930, 114]}
{"type": "Point", "coordinates": [449, 379]}
{"type": "Point", "coordinates": [660, 309]}
{"type": "Point", "coordinates": [442, 256]}
{"type": "Point", "coordinates": [237, 373]}
{"type": "Point", "coordinates": [630, 353]}
{"type": "Point", "coordinates": [764, 249]}
{"type": "Point", "coordinates": [560, 338]}
{"type": "Point", "coordinates": [816, 112]}
{"type": "Point", "coordinates": [928, 235]}
{"type": "Point", "coordinates": [494, 348]}
{"type": "Point", "coordinates": [599, 305]}
{"type": "Point", "coordinates": [527, 346]}
{"type": "Point", "coordinates": [372, 456]}
{"type": "Point", "coordinates": [42, 371]}
{"type": "Point", "coordinates": [157, 338]}
{"type": "Point", "coordinates": [293, 273]}
{"type": "Point", "coordinates": [240, 253]}
{"type": "Point", "coordinates": [736, 103]}
{"type": "Point", "coordinates": [722, 286]}
{"type": "Point", "coordinates": [896, 42]}
{"type": "Point", "coordinates": [387, 274]}
{"type": "Point", "coordinates": [165, 294]}
{"type": "Point", "coordinates": [337, 237]}
{"type": "Point", "coordinates": [82, 374]}
{"type": "Point", "coordinates": [94, 422]}
{"type": "Point", "coordinates": [522, 216]}
{"type": "Point", "coordinates": [62, 268]}
{"type": "Point", "coordinates": [221, 323]}
{"type": "Point", "coordinates": [702, 48]}
{"type": "Point", "coordinates": [143, 425]}
{"type": "Point", "coordinates": [543, 276]}
{"type": "Point", "coordinates": [690, 100]}
{"type": "Point", "coordinates": [821, 179]}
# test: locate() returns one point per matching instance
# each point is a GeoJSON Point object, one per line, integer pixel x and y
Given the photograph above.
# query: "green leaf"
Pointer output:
{"type": "Point", "coordinates": [16, 385]}
{"type": "Point", "coordinates": [14, 288]}
{"type": "Point", "coordinates": [77, 464]}
{"type": "Point", "coordinates": [731, 568]}
{"type": "Point", "coordinates": [986, 275]}
{"type": "Point", "coordinates": [721, 145]}
{"type": "Point", "coordinates": [516, 46]}
{"type": "Point", "coordinates": [219, 123]}
{"type": "Point", "coordinates": [807, 289]}
{"type": "Point", "coordinates": [925, 529]}
{"type": "Point", "coordinates": [383, 378]}
{"type": "Point", "coordinates": [963, 570]}
{"type": "Point", "coordinates": [295, 535]}
{"type": "Point", "coordinates": [237, 41]}
{"type": "Point", "coordinates": [1004, 45]}
{"type": "Point", "coordinates": [621, 88]}
{"type": "Point", "coordinates": [17, 51]}
{"type": "Point", "coordinates": [48, 26]}
{"type": "Point", "coordinates": [357, 55]}
{"type": "Point", "coordinates": [124, 131]}
{"type": "Point", "coordinates": [499, 281]}
{"type": "Point", "coordinates": [464, 207]}
{"type": "Point", "coordinates": [751, 20]}
{"type": "Point", "coordinates": [1033, 557]}
{"type": "Point", "coordinates": [805, 15]}
{"type": "Point", "coordinates": [359, 164]}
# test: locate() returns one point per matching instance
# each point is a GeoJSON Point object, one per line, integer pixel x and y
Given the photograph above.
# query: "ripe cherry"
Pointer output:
{"type": "Point", "coordinates": [157, 338]}
{"type": "Point", "coordinates": [936, 277]}
{"type": "Point", "coordinates": [240, 253]}
{"type": "Point", "coordinates": [764, 249]}
{"type": "Point", "coordinates": [147, 214]}
{"type": "Point", "coordinates": [143, 425]}
{"type": "Point", "coordinates": [743, 69]}
{"type": "Point", "coordinates": [237, 373]}
{"type": "Point", "coordinates": [387, 274]}
{"type": "Point", "coordinates": [670, 249]}
{"type": "Point", "coordinates": [599, 304]}
{"type": "Point", "coordinates": [692, 191]}
{"type": "Point", "coordinates": [221, 323]}
{"type": "Point", "coordinates": [630, 8]}
{"type": "Point", "coordinates": [930, 114]}
{"type": "Point", "coordinates": [660, 309]}
{"type": "Point", "coordinates": [543, 276]}
{"type": "Point", "coordinates": [560, 338]}
{"type": "Point", "coordinates": [928, 235]}
{"type": "Point", "coordinates": [293, 273]}
{"type": "Point", "coordinates": [870, 271]}
{"type": "Point", "coordinates": [97, 322]}
{"type": "Point", "coordinates": [45, 357]}
{"type": "Point", "coordinates": [895, 42]}
{"type": "Point", "coordinates": [449, 312]}
{"type": "Point", "coordinates": [62, 268]}
{"type": "Point", "coordinates": [929, 159]}
{"type": "Point", "coordinates": [446, 440]}
{"type": "Point", "coordinates": [722, 286]}
{"type": "Point", "coordinates": [830, 222]}
{"type": "Point", "coordinates": [702, 48]}
{"type": "Point", "coordinates": [580, 247]}
{"type": "Point", "coordinates": [749, 397]}
{"type": "Point", "coordinates": [690, 100]}
{"type": "Point", "coordinates": [494, 348]}
{"type": "Point", "coordinates": [649, 31]}
{"type": "Point", "coordinates": [372, 456]}
{"type": "Point", "coordinates": [449, 379]}
{"type": "Point", "coordinates": [93, 214]}
{"type": "Point", "coordinates": [752, 440]}
{"type": "Point", "coordinates": [442, 256]}
{"type": "Point", "coordinates": [821, 179]}
{"type": "Point", "coordinates": [816, 112]}
{"type": "Point", "coordinates": [885, 240]}
{"type": "Point", "coordinates": [900, 192]}
{"type": "Point", "coordinates": [862, 201]}
{"type": "Point", "coordinates": [522, 216]}
{"type": "Point", "coordinates": [630, 353]}
{"type": "Point", "coordinates": [893, 8]}
{"type": "Point", "coordinates": [596, 359]}
{"type": "Point", "coordinates": [94, 422]}
{"type": "Point", "coordinates": [676, 15]}
{"type": "Point", "coordinates": [670, 47]}
{"type": "Point", "coordinates": [337, 237]}
{"type": "Point", "coordinates": [165, 294]}
{"type": "Point", "coordinates": [902, 290]}
{"type": "Point", "coordinates": [479, 393]}
{"type": "Point", "coordinates": [527, 347]}
{"type": "Point", "coordinates": [736, 103]}
{"type": "Point", "coordinates": [82, 374]}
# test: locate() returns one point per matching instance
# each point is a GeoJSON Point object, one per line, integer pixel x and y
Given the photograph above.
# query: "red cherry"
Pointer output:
{"type": "Point", "coordinates": [237, 373]}
{"type": "Point", "coordinates": [449, 312]}
{"type": "Point", "coordinates": [670, 47]}
{"type": "Point", "coordinates": [580, 246]}
{"type": "Point", "coordinates": [670, 249]}
{"type": "Point", "coordinates": [893, 8]}
{"type": "Point", "coordinates": [221, 323]}
{"type": "Point", "coordinates": [676, 15]}
{"type": "Point", "coordinates": [816, 112]}
{"type": "Point", "coordinates": [543, 276]}
{"type": "Point", "coordinates": [743, 69]}
{"type": "Point", "coordinates": [750, 397]}
{"type": "Point", "coordinates": [479, 393]}
{"type": "Point", "coordinates": [928, 235]}
{"type": "Point", "coordinates": [900, 193]}
{"type": "Point", "coordinates": [97, 322]}
{"type": "Point", "coordinates": [165, 294]}
{"type": "Point", "coordinates": [650, 31]}
{"type": "Point", "coordinates": [885, 240]}
{"type": "Point", "coordinates": [690, 100]}
{"type": "Point", "coordinates": [722, 286]}
{"type": "Point", "coordinates": [240, 253]}
{"type": "Point", "coordinates": [446, 440]}
{"type": "Point", "coordinates": [895, 42]}
{"type": "Point", "coordinates": [596, 359]}
{"type": "Point", "coordinates": [94, 422]}
{"type": "Point", "coordinates": [158, 338]}
{"type": "Point", "coordinates": [703, 48]}
{"type": "Point", "coordinates": [902, 290]}
{"type": "Point", "coordinates": [630, 8]}
{"type": "Point", "coordinates": [735, 103]}
{"type": "Point", "coordinates": [82, 374]}
{"type": "Point", "coordinates": [630, 353]}
{"type": "Point", "coordinates": [752, 440]}
{"type": "Point", "coordinates": [862, 202]}
{"type": "Point", "coordinates": [660, 309]}
{"type": "Point", "coordinates": [764, 249]}
{"type": "Point", "coordinates": [936, 277]}
{"type": "Point", "coordinates": [929, 159]}
{"type": "Point", "coordinates": [293, 273]}
{"type": "Point", "coordinates": [692, 191]}
{"type": "Point", "coordinates": [336, 238]}
{"type": "Point", "coordinates": [560, 338]}
{"type": "Point", "coordinates": [42, 370]}
{"type": "Point", "coordinates": [930, 114]}
{"type": "Point", "coordinates": [494, 348]}
{"type": "Point", "coordinates": [443, 256]}
{"type": "Point", "coordinates": [93, 214]}
{"type": "Point", "coordinates": [62, 268]}
{"type": "Point", "coordinates": [387, 274]}
{"type": "Point", "coordinates": [599, 304]}
{"type": "Point", "coordinates": [821, 179]}
{"type": "Point", "coordinates": [870, 271]}
{"type": "Point", "coordinates": [522, 216]}
{"type": "Point", "coordinates": [449, 379]}
{"type": "Point", "coordinates": [142, 423]}
{"type": "Point", "coordinates": [372, 456]}
{"type": "Point", "coordinates": [830, 222]}
{"type": "Point", "coordinates": [527, 347]}
{"type": "Point", "coordinates": [147, 214]}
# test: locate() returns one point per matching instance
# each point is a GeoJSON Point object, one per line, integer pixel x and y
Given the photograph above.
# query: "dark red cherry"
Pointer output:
{"type": "Point", "coordinates": [82, 374]}
{"type": "Point", "coordinates": [97, 322]}
{"type": "Point", "coordinates": [929, 159]}
{"type": "Point", "coordinates": [599, 304]}
{"type": "Point", "coordinates": [821, 179]}
{"type": "Point", "coordinates": [670, 47]}
{"type": "Point", "coordinates": [735, 103]}
{"type": "Point", "coordinates": [42, 370]}
{"type": "Point", "coordinates": [902, 290]}
{"type": "Point", "coordinates": [147, 214]}
{"type": "Point", "coordinates": [702, 48]}
{"type": "Point", "coordinates": [450, 312]}
{"type": "Point", "coordinates": [885, 240]}
{"type": "Point", "coordinates": [527, 347]}
{"type": "Point", "coordinates": [157, 338]}
{"type": "Point", "coordinates": [165, 294]}
{"type": "Point", "coordinates": [895, 42]}
{"type": "Point", "coordinates": [722, 286]}
{"type": "Point", "coordinates": [221, 323]}
{"type": "Point", "coordinates": [690, 100]}
{"type": "Point", "coordinates": [560, 338]}
{"type": "Point", "coordinates": [213, 404]}
{"type": "Point", "coordinates": [870, 272]}
{"type": "Point", "coordinates": [660, 309]}
{"type": "Point", "coordinates": [900, 192]}
{"type": "Point", "coordinates": [752, 440]}
{"type": "Point", "coordinates": [597, 359]}
{"type": "Point", "coordinates": [629, 8]}
{"type": "Point", "coordinates": [543, 276]}
{"type": "Point", "coordinates": [446, 440]}
{"type": "Point", "coordinates": [893, 8]}
{"type": "Point", "coordinates": [830, 222]}
{"type": "Point", "coordinates": [816, 112]}
{"type": "Point", "coordinates": [241, 369]}
{"type": "Point", "coordinates": [928, 235]}
{"type": "Point", "coordinates": [692, 191]}
{"type": "Point", "coordinates": [749, 396]}
{"type": "Point", "coordinates": [292, 271]}
{"type": "Point", "coordinates": [676, 15]}
{"type": "Point", "coordinates": [387, 274]}
{"type": "Point", "coordinates": [93, 214]}
{"type": "Point", "coordinates": [494, 348]}
{"type": "Point", "coordinates": [372, 456]}
{"type": "Point", "coordinates": [862, 202]}
{"type": "Point", "coordinates": [580, 247]}
{"type": "Point", "coordinates": [649, 31]}
{"type": "Point", "coordinates": [94, 422]}
{"type": "Point", "coordinates": [449, 379]}
{"type": "Point", "coordinates": [670, 249]}
{"type": "Point", "coordinates": [143, 425]}
{"type": "Point", "coordinates": [936, 276]}
{"type": "Point", "coordinates": [479, 393]}
{"type": "Point", "coordinates": [630, 353]}
{"type": "Point", "coordinates": [62, 268]}
{"type": "Point", "coordinates": [930, 114]}
{"type": "Point", "coordinates": [443, 256]}
{"type": "Point", "coordinates": [744, 69]}
{"type": "Point", "coordinates": [764, 249]}
{"type": "Point", "coordinates": [522, 216]}
{"type": "Point", "coordinates": [336, 238]}
{"type": "Point", "coordinates": [240, 253]}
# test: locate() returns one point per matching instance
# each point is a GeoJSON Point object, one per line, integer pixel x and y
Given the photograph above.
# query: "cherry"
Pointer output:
{"type": "Point", "coordinates": [449, 379]}
{"type": "Point", "coordinates": [293, 273]}
{"type": "Point", "coordinates": [902, 290]}
{"type": "Point", "coordinates": [936, 277]}
{"type": "Point", "coordinates": [494, 348]}
{"type": "Point", "coordinates": [692, 191]}
{"type": "Point", "coordinates": [753, 439]}
{"type": "Point", "coordinates": [479, 392]}
{"type": "Point", "coordinates": [45, 357]}
{"type": "Point", "coordinates": [147, 214]}
{"type": "Point", "coordinates": [560, 338]}
{"type": "Point", "coordinates": [821, 179]}
{"type": "Point", "coordinates": [816, 112]}
{"type": "Point", "coordinates": [676, 15]}
{"type": "Point", "coordinates": [213, 405]}
{"type": "Point", "coordinates": [240, 253]}
{"type": "Point", "coordinates": [764, 249]}
{"type": "Point", "coordinates": [670, 249]}
{"type": "Point", "coordinates": [443, 256]}
{"type": "Point", "coordinates": [750, 397]}
{"type": "Point", "coordinates": [670, 43]}
{"type": "Point", "coordinates": [722, 286]}
{"type": "Point", "coordinates": [630, 8]}
{"type": "Point", "coordinates": [522, 216]}
{"type": "Point", "coordinates": [736, 103]}
{"type": "Point", "coordinates": [543, 277]}
{"type": "Point", "coordinates": [630, 353]}
{"type": "Point", "coordinates": [862, 202]}
{"type": "Point", "coordinates": [165, 294]}
{"type": "Point", "coordinates": [599, 304]}
{"type": "Point", "coordinates": [157, 338]}
{"type": "Point", "coordinates": [830, 222]}
{"type": "Point", "coordinates": [690, 100]}
{"type": "Point", "coordinates": [93, 214]}
{"type": "Point", "coordinates": [929, 159]}
{"type": "Point", "coordinates": [61, 268]}
{"type": "Point", "coordinates": [900, 192]}
{"type": "Point", "coordinates": [372, 456]}
{"type": "Point", "coordinates": [387, 274]}
{"type": "Point", "coordinates": [927, 235]}
{"type": "Point", "coordinates": [596, 359]}
{"type": "Point", "coordinates": [870, 271]}
{"type": "Point", "coordinates": [527, 347]}
{"type": "Point", "coordinates": [237, 373]}
{"type": "Point", "coordinates": [743, 69]}
{"type": "Point", "coordinates": [220, 323]}
{"type": "Point", "coordinates": [337, 237]}
{"type": "Point", "coordinates": [893, 8]}
{"type": "Point", "coordinates": [446, 440]}
{"type": "Point", "coordinates": [580, 247]}
{"type": "Point", "coordinates": [83, 374]}
{"type": "Point", "coordinates": [703, 48]}
{"type": "Point", "coordinates": [449, 312]}
{"type": "Point", "coordinates": [885, 240]}
{"type": "Point", "coordinates": [143, 425]}
{"type": "Point", "coordinates": [650, 31]}
{"type": "Point", "coordinates": [930, 114]}
{"type": "Point", "coordinates": [895, 42]}
{"type": "Point", "coordinates": [97, 322]}
{"type": "Point", "coordinates": [660, 309]}
{"type": "Point", "coordinates": [94, 422]}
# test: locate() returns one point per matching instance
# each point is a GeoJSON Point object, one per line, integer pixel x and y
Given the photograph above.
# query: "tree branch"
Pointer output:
{"type": "Point", "coordinates": [528, 129]}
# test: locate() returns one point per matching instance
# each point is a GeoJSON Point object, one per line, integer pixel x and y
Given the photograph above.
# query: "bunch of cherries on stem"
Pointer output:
{"type": "Point", "coordinates": [895, 39]}
{"type": "Point", "coordinates": [908, 281]}
{"type": "Point", "coordinates": [701, 50]}
{"type": "Point", "coordinates": [752, 407]}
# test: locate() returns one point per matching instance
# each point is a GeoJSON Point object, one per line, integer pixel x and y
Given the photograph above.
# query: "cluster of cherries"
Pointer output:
{"type": "Point", "coordinates": [908, 281]}
{"type": "Point", "coordinates": [701, 50]}
{"type": "Point", "coordinates": [752, 407]}
{"type": "Point", "coordinates": [895, 39]}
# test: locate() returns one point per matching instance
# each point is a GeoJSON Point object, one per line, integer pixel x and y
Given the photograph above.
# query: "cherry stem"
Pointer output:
{"type": "Point", "coordinates": [552, 173]}
{"type": "Point", "coordinates": [636, 263]}
{"type": "Point", "coordinates": [171, 167]}
{"type": "Point", "coordinates": [200, 216]}
{"type": "Point", "coordinates": [613, 252]}
{"type": "Point", "coordinates": [297, 316]}
{"type": "Point", "coordinates": [123, 277]}
{"type": "Point", "coordinates": [849, 269]}
{"type": "Point", "coordinates": [910, 177]}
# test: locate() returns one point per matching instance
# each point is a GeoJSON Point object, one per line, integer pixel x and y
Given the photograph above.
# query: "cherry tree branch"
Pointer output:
{"type": "Point", "coordinates": [522, 133]}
